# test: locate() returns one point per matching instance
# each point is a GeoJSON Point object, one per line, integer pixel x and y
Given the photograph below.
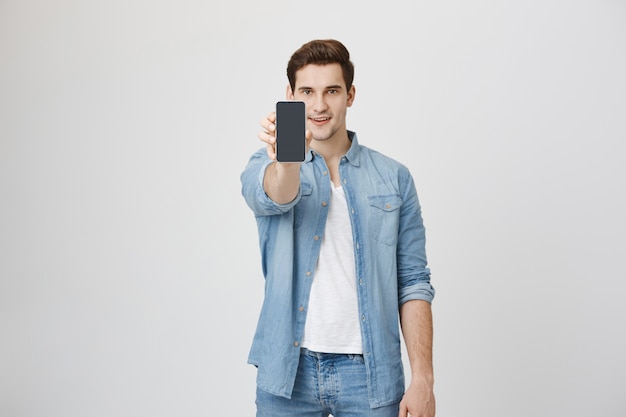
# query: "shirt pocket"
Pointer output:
{"type": "Point", "coordinates": [385, 217]}
{"type": "Point", "coordinates": [306, 190]}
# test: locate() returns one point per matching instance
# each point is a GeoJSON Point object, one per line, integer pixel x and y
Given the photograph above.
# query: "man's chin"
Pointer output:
{"type": "Point", "coordinates": [322, 135]}
{"type": "Point", "coordinates": [320, 138]}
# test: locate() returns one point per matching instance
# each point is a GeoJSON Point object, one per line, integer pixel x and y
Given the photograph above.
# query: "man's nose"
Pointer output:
{"type": "Point", "coordinates": [319, 105]}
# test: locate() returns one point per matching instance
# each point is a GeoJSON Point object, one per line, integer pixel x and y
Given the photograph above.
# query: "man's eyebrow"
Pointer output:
{"type": "Point", "coordinates": [330, 87]}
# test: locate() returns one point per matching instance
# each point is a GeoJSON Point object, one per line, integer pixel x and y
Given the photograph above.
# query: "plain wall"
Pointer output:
{"type": "Point", "coordinates": [130, 278]}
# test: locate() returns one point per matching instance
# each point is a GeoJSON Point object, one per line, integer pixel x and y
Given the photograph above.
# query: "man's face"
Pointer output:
{"type": "Point", "coordinates": [324, 93]}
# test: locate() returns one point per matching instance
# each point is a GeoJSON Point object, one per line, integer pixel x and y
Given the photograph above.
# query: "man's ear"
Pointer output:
{"type": "Point", "coordinates": [351, 94]}
{"type": "Point", "coordinates": [289, 93]}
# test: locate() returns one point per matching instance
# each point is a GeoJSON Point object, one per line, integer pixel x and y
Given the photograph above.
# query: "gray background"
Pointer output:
{"type": "Point", "coordinates": [130, 279]}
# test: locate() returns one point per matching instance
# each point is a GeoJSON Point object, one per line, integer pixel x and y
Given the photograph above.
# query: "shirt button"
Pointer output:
{"type": "Point", "coordinates": [324, 204]}
{"type": "Point", "coordinates": [388, 206]}
{"type": "Point", "coordinates": [301, 308]}
{"type": "Point", "coordinates": [296, 344]}
{"type": "Point", "coordinates": [352, 211]}
{"type": "Point", "coordinates": [360, 282]}
{"type": "Point", "coordinates": [345, 180]}
{"type": "Point", "coordinates": [363, 317]}
{"type": "Point", "coordinates": [325, 172]}
{"type": "Point", "coordinates": [308, 273]}
{"type": "Point", "coordinates": [316, 237]}
{"type": "Point", "coordinates": [357, 246]}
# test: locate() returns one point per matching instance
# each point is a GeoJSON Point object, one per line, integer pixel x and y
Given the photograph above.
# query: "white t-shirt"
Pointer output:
{"type": "Point", "coordinates": [332, 321]}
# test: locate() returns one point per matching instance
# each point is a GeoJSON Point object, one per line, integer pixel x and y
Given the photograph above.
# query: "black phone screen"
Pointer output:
{"type": "Point", "coordinates": [290, 131]}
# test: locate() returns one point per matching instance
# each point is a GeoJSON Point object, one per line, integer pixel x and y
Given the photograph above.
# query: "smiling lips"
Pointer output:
{"type": "Point", "coordinates": [319, 121]}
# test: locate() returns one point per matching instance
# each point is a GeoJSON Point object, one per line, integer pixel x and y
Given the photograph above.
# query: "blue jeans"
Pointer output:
{"type": "Point", "coordinates": [326, 384]}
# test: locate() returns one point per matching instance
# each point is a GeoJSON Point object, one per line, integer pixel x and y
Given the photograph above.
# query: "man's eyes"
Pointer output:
{"type": "Point", "coordinates": [309, 92]}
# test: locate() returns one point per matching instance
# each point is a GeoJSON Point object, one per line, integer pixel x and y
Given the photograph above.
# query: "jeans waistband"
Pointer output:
{"type": "Point", "coordinates": [325, 355]}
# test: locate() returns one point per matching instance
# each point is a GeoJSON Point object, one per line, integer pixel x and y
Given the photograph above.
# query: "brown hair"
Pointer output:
{"type": "Point", "coordinates": [321, 52]}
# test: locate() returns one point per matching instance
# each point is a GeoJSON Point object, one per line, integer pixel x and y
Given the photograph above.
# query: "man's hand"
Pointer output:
{"type": "Point", "coordinates": [268, 134]}
{"type": "Point", "coordinates": [418, 400]}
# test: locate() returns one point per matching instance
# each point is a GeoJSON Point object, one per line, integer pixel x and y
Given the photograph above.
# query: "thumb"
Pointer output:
{"type": "Point", "coordinates": [403, 410]}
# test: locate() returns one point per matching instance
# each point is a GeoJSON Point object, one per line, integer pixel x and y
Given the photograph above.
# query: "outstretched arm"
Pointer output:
{"type": "Point", "coordinates": [282, 180]}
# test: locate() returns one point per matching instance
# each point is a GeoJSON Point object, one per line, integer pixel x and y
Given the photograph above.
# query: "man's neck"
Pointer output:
{"type": "Point", "coordinates": [333, 148]}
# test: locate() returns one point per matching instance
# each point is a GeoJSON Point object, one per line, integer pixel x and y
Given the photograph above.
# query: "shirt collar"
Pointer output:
{"type": "Point", "coordinates": [353, 154]}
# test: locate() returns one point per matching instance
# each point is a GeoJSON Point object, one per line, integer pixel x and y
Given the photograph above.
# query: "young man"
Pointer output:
{"type": "Point", "coordinates": [343, 254]}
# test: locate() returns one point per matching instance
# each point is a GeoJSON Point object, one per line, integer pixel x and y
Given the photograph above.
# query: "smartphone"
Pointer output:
{"type": "Point", "coordinates": [290, 131]}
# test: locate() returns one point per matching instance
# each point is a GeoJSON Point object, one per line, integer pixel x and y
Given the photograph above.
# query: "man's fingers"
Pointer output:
{"type": "Point", "coordinates": [271, 152]}
{"type": "Point", "coordinates": [268, 126]}
{"type": "Point", "coordinates": [269, 122]}
{"type": "Point", "coordinates": [268, 134]}
{"type": "Point", "coordinates": [267, 137]}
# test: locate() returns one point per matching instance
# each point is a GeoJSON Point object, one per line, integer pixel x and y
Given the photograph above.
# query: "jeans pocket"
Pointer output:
{"type": "Point", "coordinates": [356, 358]}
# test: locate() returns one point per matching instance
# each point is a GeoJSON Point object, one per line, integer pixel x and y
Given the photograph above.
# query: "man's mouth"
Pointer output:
{"type": "Point", "coordinates": [319, 120]}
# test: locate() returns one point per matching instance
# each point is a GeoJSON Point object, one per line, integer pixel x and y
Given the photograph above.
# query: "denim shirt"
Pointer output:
{"type": "Point", "coordinates": [389, 247]}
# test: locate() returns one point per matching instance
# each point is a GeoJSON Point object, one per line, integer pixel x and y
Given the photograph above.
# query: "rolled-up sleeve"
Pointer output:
{"type": "Point", "coordinates": [252, 187]}
{"type": "Point", "coordinates": [413, 273]}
